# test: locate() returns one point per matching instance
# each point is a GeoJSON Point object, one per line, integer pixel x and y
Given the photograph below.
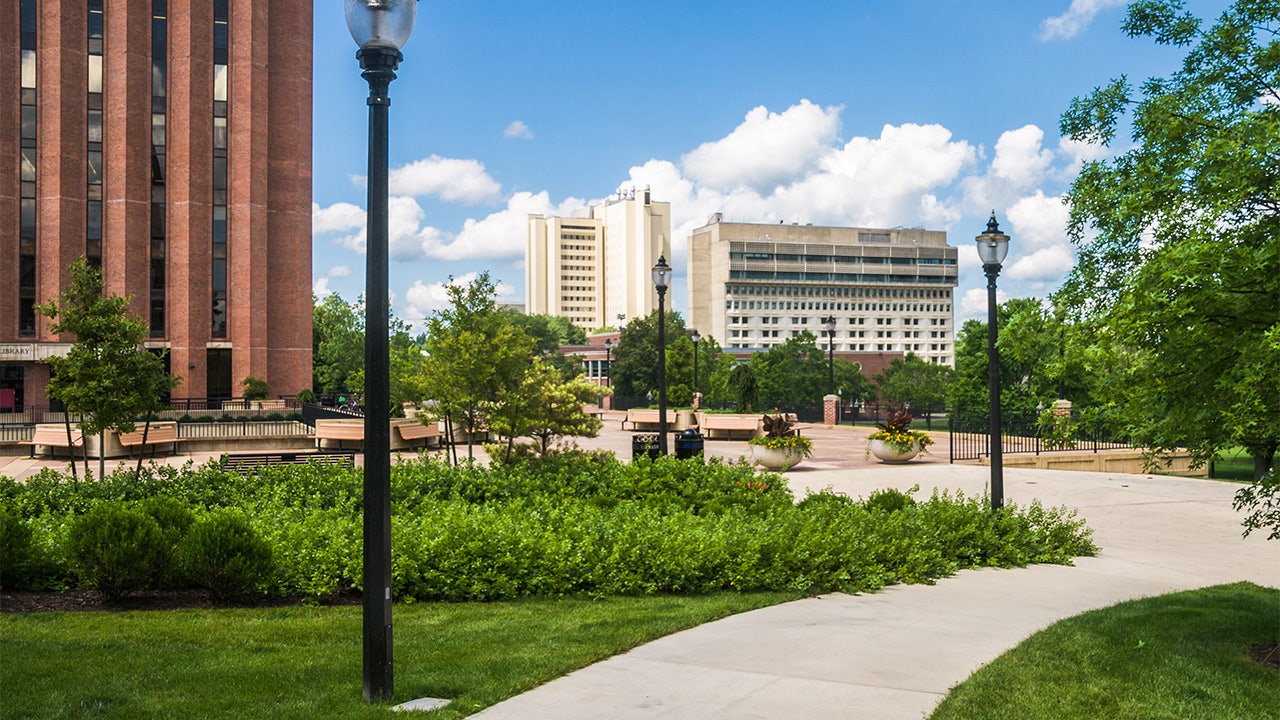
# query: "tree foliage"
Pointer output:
{"type": "Point", "coordinates": [1179, 235]}
{"type": "Point", "coordinates": [797, 372]}
{"type": "Point", "coordinates": [910, 381]}
{"type": "Point", "coordinates": [337, 343]}
{"type": "Point", "coordinates": [546, 406]}
{"type": "Point", "coordinates": [107, 377]}
{"type": "Point", "coordinates": [635, 358]}
{"type": "Point", "coordinates": [476, 356]}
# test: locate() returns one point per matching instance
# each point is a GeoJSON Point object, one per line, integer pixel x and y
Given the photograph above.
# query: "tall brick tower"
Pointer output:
{"type": "Point", "coordinates": [169, 142]}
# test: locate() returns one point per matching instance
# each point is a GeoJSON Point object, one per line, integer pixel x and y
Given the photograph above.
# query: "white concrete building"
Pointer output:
{"type": "Point", "coordinates": [594, 270]}
{"type": "Point", "coordinates": [755, 285]}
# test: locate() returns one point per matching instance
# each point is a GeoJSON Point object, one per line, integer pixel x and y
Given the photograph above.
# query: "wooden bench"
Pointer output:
{"type": "Point", "coordinates": [339, 432]}
{"type": "Point", "coordinates": [245, 463]}
{"type": "Point", "coordinates": [724, 427]}
{"type": "Point", "coordinates": [156, 435]}
{"type": "Point", "coordinates": [646, 419]}
{"type": "Point", "coordinates": [53, 436]}
{"type": "Point", "coordinates": [411, 431]}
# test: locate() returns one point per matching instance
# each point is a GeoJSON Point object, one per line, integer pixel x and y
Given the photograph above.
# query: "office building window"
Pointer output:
{"type": "Point", "coordinates": [220, 100]}
{"type": "Point", "coordinates": [93, 206]}
{"type": "Point", "coordinates": [159, 94]}
{"type": "Point", "coordinates": [27, 172]}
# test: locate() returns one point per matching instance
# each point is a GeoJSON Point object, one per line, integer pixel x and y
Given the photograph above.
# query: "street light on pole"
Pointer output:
{"type": "Point", "coordinates": [380, 28]}
{"type": "Point", "coordinates": [696, 338]}
{"type": "Point", "coordinates": [993, 245]}
{"type": "Point", "coordinates": [608, 362]}
{"type": "Point", "coordinates": [661, 281]}
{"type": "Point", "coordinates": [830, 323]}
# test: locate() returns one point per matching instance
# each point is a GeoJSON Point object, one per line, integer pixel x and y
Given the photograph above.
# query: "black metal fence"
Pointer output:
{"type": "Point", "coordinates": [1027, 432]}
{"type": "Point", "coordinates": [35, 413]}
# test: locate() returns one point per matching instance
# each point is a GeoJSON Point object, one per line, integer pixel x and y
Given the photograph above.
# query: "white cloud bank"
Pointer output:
{"type": "Point", "coordinates": [517, 130]}
{"type": "Point", "coordinates": [451, 179]}
{"type": "Point", "coordinates": [423, 299]}
{"type": "Point", "coordinates": [1075, 19]}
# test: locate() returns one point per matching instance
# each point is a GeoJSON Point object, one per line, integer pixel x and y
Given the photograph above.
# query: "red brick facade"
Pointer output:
{"type": "Point", "coordinates": [268, 185]}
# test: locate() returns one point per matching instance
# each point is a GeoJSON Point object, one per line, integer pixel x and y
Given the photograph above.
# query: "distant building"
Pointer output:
{"type": "Point", "coordinates": [169, 143]}
{"type": "Point", "coordinates": [755, 285]}
{"type": "Point", "coordinates": [595, 270]}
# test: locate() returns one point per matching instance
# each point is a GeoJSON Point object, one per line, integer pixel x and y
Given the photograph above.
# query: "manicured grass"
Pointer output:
{"type": "Point", "coordinates": [1176, 656]}
{"type": "Point", "coordinates": [1233, 464]}
{"type": "Point", "coordinates": [304, 662]}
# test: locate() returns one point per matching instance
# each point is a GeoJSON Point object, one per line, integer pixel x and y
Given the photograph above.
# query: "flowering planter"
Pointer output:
{"type": "Point", "coordinates": [776, 459]}
{"type": "Point", "coordinates": [887, 453]}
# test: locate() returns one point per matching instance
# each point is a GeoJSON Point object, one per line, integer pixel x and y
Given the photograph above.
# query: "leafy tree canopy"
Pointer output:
{"type": "Point", "coordinates": [1179, 235]}
{"type": "Point", "coordinates": [337, 344]}
{"type": "Point", "coordinates": [635, 356]}
{"type": "Point", "coordinates": [912, 381]}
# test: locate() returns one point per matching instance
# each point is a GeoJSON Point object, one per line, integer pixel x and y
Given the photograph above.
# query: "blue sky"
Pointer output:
{"type": "Point", "coordinates": [917, 113]}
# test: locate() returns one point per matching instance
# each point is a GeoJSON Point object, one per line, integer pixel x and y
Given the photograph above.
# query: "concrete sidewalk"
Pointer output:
{"type": "Point", "coordinates": [895, 653]}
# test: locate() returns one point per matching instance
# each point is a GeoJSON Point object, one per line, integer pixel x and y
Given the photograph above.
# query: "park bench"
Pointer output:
{"type": "Point", "coordinates": [155, 436]}
{"type": "Point", "coordinates": [411, 431]}
{"type": "Point", "coordinates": [338, 432]}
{"type": "Point", "coordinates": [53, 436]}
{"type": "Point", "coordinates": [245, 463]}
{"type": "Point", "coordinates": [646, 419]}
{"type": "Point", "coordinates": [725, 427]}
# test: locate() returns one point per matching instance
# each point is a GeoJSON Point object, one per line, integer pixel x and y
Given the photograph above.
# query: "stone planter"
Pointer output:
{"type": "Point", "coordinates": [887, 453]}
{"type": "Point", "coordinates": [776, 459]}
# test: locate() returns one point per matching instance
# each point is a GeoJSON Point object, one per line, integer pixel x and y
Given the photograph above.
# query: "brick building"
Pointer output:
{"type": "Point", "coordinates": [169, 142]}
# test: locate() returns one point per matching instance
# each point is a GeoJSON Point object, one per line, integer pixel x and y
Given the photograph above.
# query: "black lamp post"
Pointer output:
{"type": "Point", "coordinates": [696, 338]}
{"type": "Point", "coordinates": [380, 28]}
{"type": "Point", "coordinates": [830, 323]}
{"type": "Point", "coordinates": [993, 245]}
{"type": "Point", "coordinates": [661, 281]}
{"type": "Point", "coordinates": [608, 362]}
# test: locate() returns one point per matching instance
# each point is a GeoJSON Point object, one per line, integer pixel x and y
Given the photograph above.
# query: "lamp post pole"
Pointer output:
{"type": "Point", "coordinates": [830, 322]}
{"type": "Point", "coordinates": [608, 362]}
{"type": "Point", "coordinates": [380, 28]}
{"type": "Point", "coordinates": [661, 280]}
{"type": "Point", "coordinates": [993, 245]}
{"type": "Point", "coordinates": [697, 339]}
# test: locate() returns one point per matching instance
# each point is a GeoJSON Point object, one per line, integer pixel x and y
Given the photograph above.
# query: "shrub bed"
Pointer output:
{"type": "Point", "coordinates": [573, 523]}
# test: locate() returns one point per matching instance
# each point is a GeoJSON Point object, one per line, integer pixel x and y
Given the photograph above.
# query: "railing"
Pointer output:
{"type": "Point", "coordinates": [176, 409]}
{"type": "Point", "coordinates": [1024, 433]}
{"type": "Point", "coordinates": [243, 428]}
{"type": "Point", "coordinates": [16, 433]}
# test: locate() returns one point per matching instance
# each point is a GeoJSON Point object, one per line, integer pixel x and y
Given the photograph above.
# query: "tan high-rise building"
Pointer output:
{"type": "Point", "coordinates": [169, 142]}
{"type": "Point", "coordinates": [755, 285]}
{"type": "Point", "coordinates": [595, 270]}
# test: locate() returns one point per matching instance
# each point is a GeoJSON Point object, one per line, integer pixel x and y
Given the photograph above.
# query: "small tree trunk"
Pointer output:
{"type": "Point", "coordinates": [146, 428]}
{"type": "Point", "coordinates": [71, 447]}
{"type": "Point", "coordinates": [1263, 462]}
{"type": "Point", "coordinates": [102, 454]}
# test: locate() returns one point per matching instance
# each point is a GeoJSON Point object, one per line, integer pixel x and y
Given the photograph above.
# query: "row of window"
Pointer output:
{"type": "Point", "coordinates": [837, 259]}
{"type": "Point", "coordinates": [870, 292]}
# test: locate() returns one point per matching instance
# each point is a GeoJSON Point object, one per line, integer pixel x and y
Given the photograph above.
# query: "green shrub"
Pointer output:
{"type": "Point", "coordinates": [114, 549]}
{"type": "Point", "coordinates": [225, 555]}
{"type": "Point", "coordinates": [255, 388]}
{"type": "Point", "coordinates": [890, 499]}
{"type": "Point", "coordinates": [15, 551]}
{"type": "Point", "coordinates": [174, 519]}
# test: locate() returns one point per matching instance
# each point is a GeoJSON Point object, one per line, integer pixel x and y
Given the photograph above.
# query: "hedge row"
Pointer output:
{"type": "Point", "coordinates": [577, 523]}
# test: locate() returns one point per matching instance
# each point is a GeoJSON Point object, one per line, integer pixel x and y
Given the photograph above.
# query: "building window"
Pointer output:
{"type": "Point", "coordinates": [159, 94]}
{"type": "Point", "coordinates": [27, 173]}
{"type": "Point", "coordinates": [220, 100]}
{"type": "Point", "coordinates": [94, 169]}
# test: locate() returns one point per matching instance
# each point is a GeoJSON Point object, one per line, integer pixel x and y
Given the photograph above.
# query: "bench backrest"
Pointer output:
{"type": "Point", "coordinates": [156, 435]}
{"type": "Point", "coordinates": [339, 431]}
{"type": "Point", "coordinates": [48, 435]}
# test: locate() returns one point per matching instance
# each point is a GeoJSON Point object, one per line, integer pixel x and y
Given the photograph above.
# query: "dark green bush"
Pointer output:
{"type": "Point", "coordinates": [225, 555]}
{"type": "Point", "coordinates": [174, 519]}
{"type": "Point", "coordinates": [114, 549]}
{"type": "Point", "coordinates": [890, 500]}
{"type": "Point", "coordinates": [15, 551]}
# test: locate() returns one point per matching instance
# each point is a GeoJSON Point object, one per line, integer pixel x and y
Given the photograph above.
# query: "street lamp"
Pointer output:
{"type": "Point", "coordinates": [380, 28]}
{"type": "Point", "coordinates": [696, 338]}
{"type": "Point", "coordinates": [830, 323]}
{"type": "Point", "coordinates": [661, 281]}
{"type": "Point", "coordinates": [608, 364]}
{"type": "Point", "coordinates": [993, 245]}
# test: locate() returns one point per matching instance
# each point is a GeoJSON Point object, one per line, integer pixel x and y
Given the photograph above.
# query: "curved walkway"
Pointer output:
{"type": "Point", "coordinates": [895, 653]}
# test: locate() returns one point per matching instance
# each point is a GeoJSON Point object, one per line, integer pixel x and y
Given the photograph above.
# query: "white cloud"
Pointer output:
{"type": "Point", "coordinates": [450, 179]}
{"type": "Point", "coordinates": [320, 287]}
{"type": "Point", "coordinates": [518, 130]}
{"type": "Point", "coordinates": [1080, 153]}
{"type": "Point", "coordinates": [1048, 265]}
{"type": "Point", "coordinates": [973, 304]}
{"type": "Point", "coordinates": [766, 149]}
{"type": "Point", "coordinates": [1075, 19]}
{"type": "Point", "coordinates": [1020, 158]}
{"type": "Point", "coordinates": [423, 299]}
{"type": "Point", "coordinates": [1039, 221]}
{"type": "Point", "coordinates": [339, 271]}
{"type": "Point", "coordinates": [338, 217]}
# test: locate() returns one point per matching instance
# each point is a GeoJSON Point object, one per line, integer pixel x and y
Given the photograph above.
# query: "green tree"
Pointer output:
{"type": "Point", "coordinates": [546, 406]}
{"type": "Point", "coordinates": [476, 357]}
{"type": "Point", "coordinates": [337, 344]}
{"type": "Point", "coordinates": [635, 356]}
{"type": "Point", "coordinates": [406, 367]}
{"type": "Point", "coordinates": [1179, 235]}
{"type": "Point", "coordinates": [107, 377]}
{"type": "Point", "coordinates": [911, 381]}
{"type": "Point", "coordinates": [549, 333]}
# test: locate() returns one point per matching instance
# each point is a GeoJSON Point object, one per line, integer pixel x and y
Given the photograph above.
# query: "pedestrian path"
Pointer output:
{"type": "Point", "coordinates": [895, 653]}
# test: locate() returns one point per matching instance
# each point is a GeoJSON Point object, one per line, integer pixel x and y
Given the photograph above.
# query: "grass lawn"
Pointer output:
{"type": "Point", "coordinates": [1175, 656]}
{"type": "Point", "coordinates": [1233, 464]}
{"type": "Point", "coordinates": [304, 662]}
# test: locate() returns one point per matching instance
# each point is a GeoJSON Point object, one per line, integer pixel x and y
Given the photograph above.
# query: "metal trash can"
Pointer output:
{"type": "Point", "coordinates": [689, 444]}
{"type": "Point", "coordinates": [645, 445]}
